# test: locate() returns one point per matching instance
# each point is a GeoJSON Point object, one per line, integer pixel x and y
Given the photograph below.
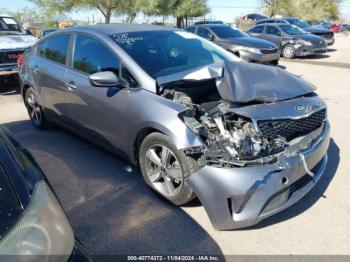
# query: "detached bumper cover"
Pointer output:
{"type": "Point", "coordinates": [241, 197]}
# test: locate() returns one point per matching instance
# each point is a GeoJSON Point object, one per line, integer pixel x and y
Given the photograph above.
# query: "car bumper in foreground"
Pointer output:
{"type": "Point", "coordinates": [241, 197]}
{"type": "Point", "coordinates": [259, 58]}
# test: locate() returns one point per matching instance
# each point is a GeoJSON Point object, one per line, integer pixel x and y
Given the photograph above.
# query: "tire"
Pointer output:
{"type": "Point", "coordinates": [288, 51]}
{"type": "Point", "coordinates": [275, 62]}
{"type": "Point", "coordinates": [176, 165]}
{"type": "Point", "coordinates": [35, 110]}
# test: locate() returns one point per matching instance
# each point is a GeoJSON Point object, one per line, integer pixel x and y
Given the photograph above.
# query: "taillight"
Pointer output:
{"type": "Point", "coordinates": [20, 60]}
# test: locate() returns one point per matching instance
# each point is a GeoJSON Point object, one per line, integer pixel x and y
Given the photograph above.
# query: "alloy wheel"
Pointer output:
{"type": "Point", "coordinates": [34, 109]}
{"type": "Point", "coordinates": [288, 52]}
{"type": "Point", "coordinates": [163, 170]}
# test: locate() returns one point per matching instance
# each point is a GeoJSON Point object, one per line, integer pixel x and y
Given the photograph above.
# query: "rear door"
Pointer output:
{"type": "Point", "coordinates": [49, 68]}
{"type": "Point", "coordinates": [273, 34]}
{"type": "Point", "coordinates": [95, 112]}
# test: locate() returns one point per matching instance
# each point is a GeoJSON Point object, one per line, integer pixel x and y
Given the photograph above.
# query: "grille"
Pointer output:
{"type": "Point", "coordinates": [326, 35]}
{"type": "Point", "coordinates": [269, 51]}
{"type": "Point", "coordinates": [291, 128]}
{"type": "Point", "coordinates": [10, 57]}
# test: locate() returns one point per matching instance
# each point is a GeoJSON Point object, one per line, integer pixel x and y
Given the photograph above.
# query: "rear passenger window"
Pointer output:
{"type": "Point", "coordinates": [91, 56]}
{"type": "Point", "coordinates": [56, 48]}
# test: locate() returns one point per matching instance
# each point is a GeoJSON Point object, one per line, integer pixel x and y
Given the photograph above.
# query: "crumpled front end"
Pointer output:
{"type": "Point", "coordinates": [241, 197]}
{"type": "Point", "coordinates": [263, 147]}
{"type": "Point", "coordinates": [256, 165]}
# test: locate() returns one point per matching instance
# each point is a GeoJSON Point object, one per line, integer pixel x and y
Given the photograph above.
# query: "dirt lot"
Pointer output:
{"type": "Point", "coordinates": [113, 212]}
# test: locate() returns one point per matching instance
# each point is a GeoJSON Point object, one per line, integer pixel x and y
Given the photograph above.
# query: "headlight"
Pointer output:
{"type": "Point", "coordinates": [303, 42]}
{"type": "Point", "coordinates": [250, 50]}
{"type": "Point", "coordinates": [42, 231]}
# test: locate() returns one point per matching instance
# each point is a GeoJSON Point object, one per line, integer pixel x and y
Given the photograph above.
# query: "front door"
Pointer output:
{"type": "Point", "coordinates": [97, 113]}
{"type": "Point", "coordinates": [273, 34]}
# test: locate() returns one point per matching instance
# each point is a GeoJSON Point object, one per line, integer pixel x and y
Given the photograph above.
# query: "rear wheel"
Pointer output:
{"type": "Point", "coordinates": [165, 169]}
{"type": "Point", "coordinates": [35, 110]}
{"type": "Point", "coordinates": [288, 51]}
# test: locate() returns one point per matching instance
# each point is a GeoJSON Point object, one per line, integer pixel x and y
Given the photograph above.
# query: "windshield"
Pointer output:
{"type": "Point", "coordinates": [227, 32]}
{"type": "Point", "coordinates": [162, 53]}
{"type": "Point", "coordinates": [292, 30]}
{"type": "Point", "coordinates": [9, 24]}
{"type": "Point", "coordinates": [298, 22]}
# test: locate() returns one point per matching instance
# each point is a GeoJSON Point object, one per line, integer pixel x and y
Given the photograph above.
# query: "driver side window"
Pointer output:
{"type": "Point", "coordinates": [90, 56]}
{"type": "Point", "coordinates": [202, 32]}
{"type": "Point", "coordinates": [271, 30]}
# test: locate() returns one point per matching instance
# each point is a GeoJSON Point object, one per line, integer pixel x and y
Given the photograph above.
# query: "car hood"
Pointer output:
{"type": "Point", "coordinates": [249, 42]}
{"type": "Point", "coordinates": [16, 41]}
{"type": "Point", "coordinates": [313, 29]}
{"type": "Point", "coordinates": [241, 82]}
{"type": "Point", "coordinates": [308, 37]}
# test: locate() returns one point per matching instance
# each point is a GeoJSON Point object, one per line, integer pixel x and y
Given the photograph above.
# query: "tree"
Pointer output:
{"type": "Point", "coordinates": [310, 10]}
{"type": "Point", "coordinates": [182, 9]}
{"type": "Point", "coordinates": [106, 7]}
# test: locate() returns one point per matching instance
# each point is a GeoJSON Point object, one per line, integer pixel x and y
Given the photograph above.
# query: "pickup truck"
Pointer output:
{"type": "Point", "coordinates": [14, 41]}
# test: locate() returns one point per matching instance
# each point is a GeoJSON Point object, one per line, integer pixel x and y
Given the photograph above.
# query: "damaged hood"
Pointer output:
{"type": "Point", "coordinates": [241, 82]}
{"type": "Point", "coordinates": [16, 41]}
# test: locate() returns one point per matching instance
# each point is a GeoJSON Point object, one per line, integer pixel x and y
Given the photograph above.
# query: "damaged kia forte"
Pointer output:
{"type": "Point", "coordinates": [248, 140]}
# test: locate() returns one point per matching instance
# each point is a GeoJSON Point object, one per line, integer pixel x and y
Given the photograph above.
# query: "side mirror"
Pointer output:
{"type": "Point", "coordinates": [105, 79]}
{"type": "Point", "coordinates": [211, 37]}
{"type": "Point", "coordinates": [28, 32]}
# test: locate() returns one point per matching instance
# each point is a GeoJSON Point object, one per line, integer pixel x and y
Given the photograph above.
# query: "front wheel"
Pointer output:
{"type": "Point", "coordinates": [165, 169]}
{"type": "Point", "coordinates": [288, 51]}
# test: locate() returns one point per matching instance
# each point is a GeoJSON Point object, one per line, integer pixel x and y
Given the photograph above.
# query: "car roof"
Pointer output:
{"type": "Point", "coordinates": [212, 25]}
{"type": "Point", "coordinates": [111, 29]}
{"type": "Point", "coordinates": [5, 15]}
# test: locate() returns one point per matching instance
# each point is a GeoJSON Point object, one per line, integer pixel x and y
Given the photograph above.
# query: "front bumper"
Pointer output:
{"type": "Point", "coordinates": [305, 50]}
{"type": "Point", "coordinates": [8, 67]}
{"type": "Point", "coordinates": [241, 197]}
{"type": "Point", "coordinates": [330, 41]}
{"type": "Point", "coordinates": [259, 58]}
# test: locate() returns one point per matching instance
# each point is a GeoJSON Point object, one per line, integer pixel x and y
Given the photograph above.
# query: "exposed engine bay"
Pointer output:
{"type": "Point", "coordinates": [232, 140]}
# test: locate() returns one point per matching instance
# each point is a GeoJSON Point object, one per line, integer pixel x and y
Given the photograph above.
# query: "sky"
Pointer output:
{"type": "Point", "coordinates": [226, 10]}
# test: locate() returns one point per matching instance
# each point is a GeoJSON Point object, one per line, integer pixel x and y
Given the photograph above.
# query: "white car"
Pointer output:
{"type": "Point", "coordinates": [14, 41]}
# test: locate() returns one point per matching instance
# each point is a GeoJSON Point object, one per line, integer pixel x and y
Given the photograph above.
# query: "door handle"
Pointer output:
{"type": "Point", "coordinates": [71, 85]}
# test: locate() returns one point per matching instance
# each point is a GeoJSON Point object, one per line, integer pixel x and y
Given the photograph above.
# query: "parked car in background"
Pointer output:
{"type": "Point", "coordinates": [249, 140]}
{"type": "Point", "coordinates": [248, 48]}
{"type": "Point", "coordinates": [33, 223]}
{"type": "Point", "coordinates": [47, 31]}
{"type": "Point", "coordinates": [346, 27]}
{"type": "Point", "coordinates": [327, 34]}
{"type": "Point", "coordinates": [323, 24]}
{"type": "Point", "coordinates": [210, 22]}
{"type": "Point", "coordinates": [292, 40]}
{"type": "Point", "coordinates": [336, 28]}
{"type": "Point", "coordinates": [254, 17]}
{"type": "Point", "coordinates": [14, 41]}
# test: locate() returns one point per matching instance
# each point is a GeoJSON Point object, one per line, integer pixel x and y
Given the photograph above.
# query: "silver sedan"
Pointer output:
{"type": "Point", "coordinates": [248, 140]}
